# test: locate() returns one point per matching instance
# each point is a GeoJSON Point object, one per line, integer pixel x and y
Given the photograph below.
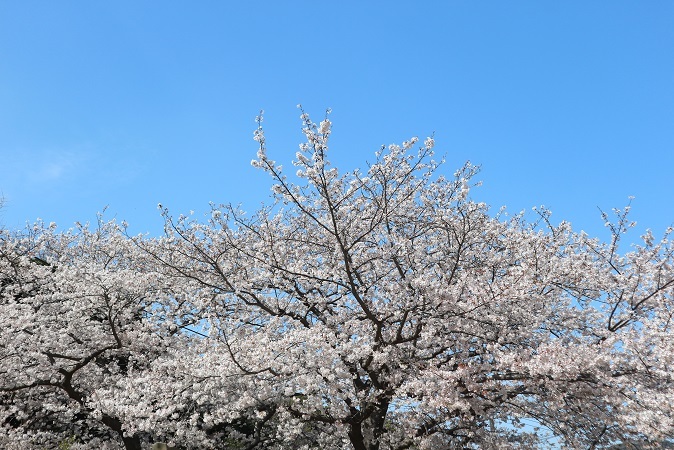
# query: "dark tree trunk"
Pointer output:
{"type": "Point", "coordinates": [130, 442]}
{"type": "Point", "coordinates": [374, 425]}
{"type": "Point", "coordinates": [366, 434]}
{"type": "Point", "coordinates": [356, 436]}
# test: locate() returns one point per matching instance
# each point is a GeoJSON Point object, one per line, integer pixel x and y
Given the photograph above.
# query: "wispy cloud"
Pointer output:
{"type": "Point", "coordinates": [87, 165]}
{"type": "Point", "coordinates": [52, 170]}
{"type": "Point", "coordinates": [38, 168]}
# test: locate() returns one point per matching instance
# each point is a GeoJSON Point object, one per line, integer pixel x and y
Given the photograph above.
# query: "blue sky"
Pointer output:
{"type": "Point", "coordinates": [129, 103]}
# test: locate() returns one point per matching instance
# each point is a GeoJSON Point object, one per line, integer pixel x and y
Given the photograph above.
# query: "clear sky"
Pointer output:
{"type": "Point", "coordinates": [126, 104]}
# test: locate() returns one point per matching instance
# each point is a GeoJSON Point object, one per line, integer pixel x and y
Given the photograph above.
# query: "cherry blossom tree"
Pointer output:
{"type": "Point", "coordinates": [386, 309]}
{"type": "Point", "coordinates": [381, 309]}
{"type": "Point", "coordinates": [74, 316]}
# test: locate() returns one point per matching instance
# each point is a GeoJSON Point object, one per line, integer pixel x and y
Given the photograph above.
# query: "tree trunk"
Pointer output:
{"type": "Point", "coordinates": [130, 442]}
{"type": "Point", "coordinates": [366, 434]}
{"type": "Point", "coordinates": [374, 426]}
{"type": "Point", "coordinates": [356, 436]}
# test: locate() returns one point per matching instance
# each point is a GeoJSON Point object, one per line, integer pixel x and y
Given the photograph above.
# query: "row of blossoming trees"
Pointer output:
{"type": "Point", "coordinates": [373, 310]}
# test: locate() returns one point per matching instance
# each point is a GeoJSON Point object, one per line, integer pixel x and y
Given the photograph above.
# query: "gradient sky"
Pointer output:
{"type": "Point", "coordinates": [126, 104]}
